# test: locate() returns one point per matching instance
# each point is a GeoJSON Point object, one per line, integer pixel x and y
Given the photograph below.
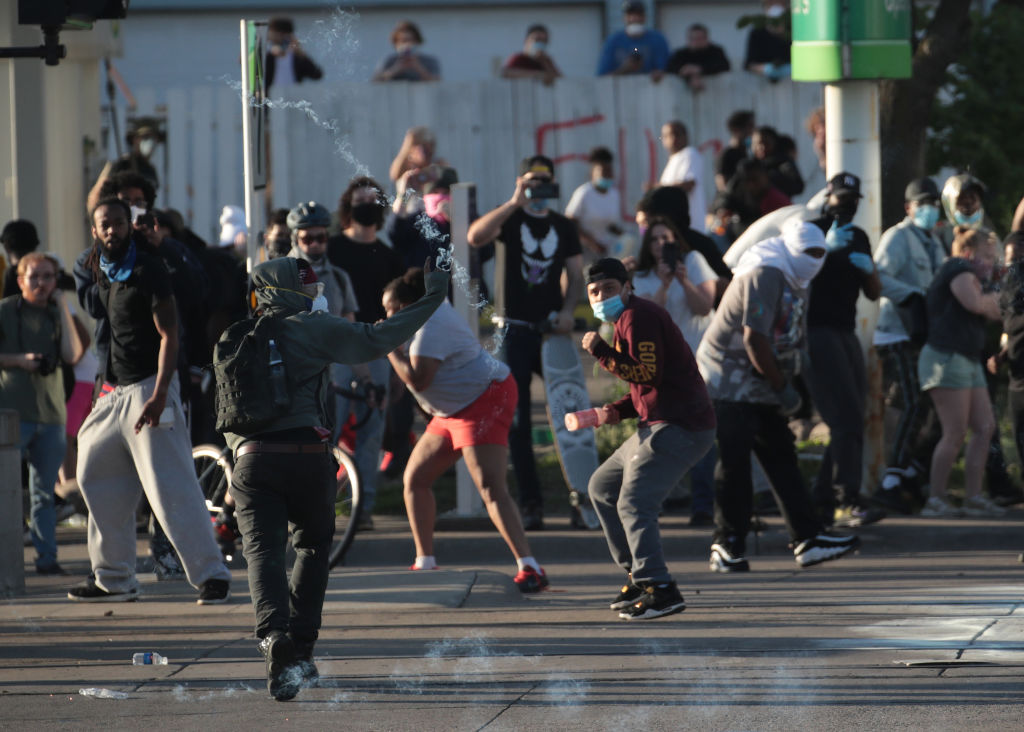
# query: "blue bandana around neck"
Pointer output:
{"type": "Point", "coordinates": [120, 270]}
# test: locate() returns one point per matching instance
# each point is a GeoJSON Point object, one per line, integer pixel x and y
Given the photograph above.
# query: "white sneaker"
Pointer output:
{"type": "Point", "coordinates": [940, 508]}
{"type": "Point", "coordinates": [982, 507]}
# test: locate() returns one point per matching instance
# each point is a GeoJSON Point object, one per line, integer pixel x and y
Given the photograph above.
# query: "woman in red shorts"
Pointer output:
{"type": "Point", "coordinates": [472, 399]}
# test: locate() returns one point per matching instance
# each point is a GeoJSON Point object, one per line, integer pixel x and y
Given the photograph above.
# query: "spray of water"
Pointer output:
{"type": "Point", "coordinates": [336, 41]}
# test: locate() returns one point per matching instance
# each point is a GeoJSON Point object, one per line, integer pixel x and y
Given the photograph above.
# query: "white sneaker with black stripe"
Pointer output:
{"type": "Point", "coordinates": [823, 547]}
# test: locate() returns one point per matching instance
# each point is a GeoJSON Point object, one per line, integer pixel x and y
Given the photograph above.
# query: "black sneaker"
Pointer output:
{"type": "Point", "coordinates": [284, 677]}
{"type": "Point", "coordinates": [533, 518]}
{"type": "Point", "coordinates": [701, 518]}
{"type": "Point", "coordinates": [308, 671]}
{"type": "Point", "coordinates": [823, 547]}
{"type": "Point", "coordinates": [628, 595]}
{"type": "Point", "coordinates": [657, 600]}
{"type": "Point", "coordinates": [726, 559]}
{"type": "Point", "coordinates": [855, 515]}
{"type": "Point", "coordinates": [89, 591]}
{"type": "Point", "coordinates": [214, 592]}
{"type": "Point", "coordinates": [51, 570]}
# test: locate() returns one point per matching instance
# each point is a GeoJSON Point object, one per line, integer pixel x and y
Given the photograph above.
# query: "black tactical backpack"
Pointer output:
{"type": "Point", "coordinates": [245, 401]}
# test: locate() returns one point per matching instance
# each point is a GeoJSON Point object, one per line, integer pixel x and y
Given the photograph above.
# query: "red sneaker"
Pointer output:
{"type": "Point", "coordinates": [530, 580]}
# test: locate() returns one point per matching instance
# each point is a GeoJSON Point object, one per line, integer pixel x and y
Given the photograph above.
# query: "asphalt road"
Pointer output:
{"type": "Point", "coordinates": [923, 629]}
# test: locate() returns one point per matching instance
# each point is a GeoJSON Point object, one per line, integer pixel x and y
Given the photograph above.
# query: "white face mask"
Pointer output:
{"type": "Point", "coordinates": [635, 29]}
{"type": "Point", "coordinates": [775, 11]}
{"type": "Point", "coordinates": [146, 146]}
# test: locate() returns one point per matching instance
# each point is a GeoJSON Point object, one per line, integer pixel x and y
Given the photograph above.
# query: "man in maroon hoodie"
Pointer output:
{"type": "Point", "coordinates": [676, 428]}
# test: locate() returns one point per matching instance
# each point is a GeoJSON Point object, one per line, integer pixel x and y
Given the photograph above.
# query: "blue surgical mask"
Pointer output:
{"type": "Point", "coordinates": [604, 184]}
{"type": "Point", "coordinates": [973, 219]}
{"type": "Point", "coordinates": [538, 47]}
{"type": "Point", "coordinates": [748, 142]}
{"type": "Point", "coordinates": [609, 310]}
{"type": "Point", "coordinates": [537, 205]}
{"type": "Point", "coordinates": [926, 216]}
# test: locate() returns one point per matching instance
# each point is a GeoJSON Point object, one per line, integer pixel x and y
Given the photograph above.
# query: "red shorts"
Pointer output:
{"type": "Point", "coordinates": [484, 422]}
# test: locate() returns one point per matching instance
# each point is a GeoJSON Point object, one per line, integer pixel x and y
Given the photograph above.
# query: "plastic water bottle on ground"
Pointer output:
{"type": "Point", "coordinates": [103, 693]}
{"type": "Point", "coordinates": [147, 659]}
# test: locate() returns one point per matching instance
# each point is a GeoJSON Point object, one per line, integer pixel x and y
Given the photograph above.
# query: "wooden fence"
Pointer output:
{"type": "Point", "coordinates": [323, 134]}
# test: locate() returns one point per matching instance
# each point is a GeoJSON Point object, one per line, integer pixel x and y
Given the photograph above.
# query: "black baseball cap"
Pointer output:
{"type": "Point", "coordinates": [634, 6]}
{"type": "Point", "coordinates": [607, 268]}
{"type": "Point", "coordinates": [844, 183]}
{"type": "Point", "coordinates": [537, 164]}
{"type": "Point", "coordinates": [922, 189]}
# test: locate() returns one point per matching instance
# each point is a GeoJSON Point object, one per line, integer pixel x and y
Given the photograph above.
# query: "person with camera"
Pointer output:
{"type": "Point", "coordinates": [676, 277]}
{"type": "Point", "coordinates": [837, 377]}
{"type": "Point", "coordinates": [675, 429]}
{"type": "Point", "coordinates": [286, 62]}
{"type": "Point", "coordinates": [37, 334]}
{"type": "Point", "coordinates": [135, 439]}
{"type": "Point", "coordinates": [371, 264]}
{"type": "Point", "coordinates": [749, 356]}
{"type": "Point", "coordinates": [540, 262]}
{"type": "Point", "coordinates": [407, 63]}
{"type": "Point", "coordinates": [635, 49]}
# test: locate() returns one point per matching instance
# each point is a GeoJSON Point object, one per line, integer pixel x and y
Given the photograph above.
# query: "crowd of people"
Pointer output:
{"type": "Point", "coordinates": [636, 48]}
{"type": "Point", "coordinates": [715, 360]}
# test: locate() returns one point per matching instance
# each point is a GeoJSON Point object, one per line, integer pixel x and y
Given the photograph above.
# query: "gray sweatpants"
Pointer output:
{"type": "Point", "coordinates": [115, 465]}
{"type": "Point", "coordinates": [629, 487]}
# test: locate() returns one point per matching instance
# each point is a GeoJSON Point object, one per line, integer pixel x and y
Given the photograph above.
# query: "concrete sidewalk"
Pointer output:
{"type": "Point", "coordinates": [924, 629]}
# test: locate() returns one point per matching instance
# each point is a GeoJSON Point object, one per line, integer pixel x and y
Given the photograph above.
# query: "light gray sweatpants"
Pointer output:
{"type": "Point", "coordinates": [115, 464]}
{"type": "Point", "coordinates": [629, 487]}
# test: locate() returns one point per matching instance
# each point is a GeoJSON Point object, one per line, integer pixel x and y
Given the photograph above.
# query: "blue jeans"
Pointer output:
{"type": "Point", "coordinates": [370, 434]}
{"type": "Point", "coordinates": [43, 445]}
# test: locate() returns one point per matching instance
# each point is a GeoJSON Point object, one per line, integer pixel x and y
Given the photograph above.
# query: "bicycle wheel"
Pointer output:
{"type": "Point", "coordinates": [213, 470]}
{"type": "Point", "coordinates": [347, 508]}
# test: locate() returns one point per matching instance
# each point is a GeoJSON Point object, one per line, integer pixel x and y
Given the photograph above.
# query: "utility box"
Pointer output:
{"type": "Point", "coordinates": [835, 40]}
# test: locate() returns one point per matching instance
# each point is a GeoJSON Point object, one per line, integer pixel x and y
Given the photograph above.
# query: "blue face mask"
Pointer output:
{"type": "Point", "coordinates": [609, 310]}
{"type": "Point", "coordinates": [926, 216]}
{"type": "Point", "coordinates": [604, 184]}
{"type": "Point", "coordinates": [748, 142]}
{"type": "Point", "coordinates": [974, 218]}
{"type": "Point", "coordinates": [537, 205]}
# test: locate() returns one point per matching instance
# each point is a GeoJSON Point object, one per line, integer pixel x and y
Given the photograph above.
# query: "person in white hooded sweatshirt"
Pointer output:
{"type": "Point", "coordinates": [748, 358]}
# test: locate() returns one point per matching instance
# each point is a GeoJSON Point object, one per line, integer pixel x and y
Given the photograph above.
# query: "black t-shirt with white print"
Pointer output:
{"type": "Point", "coordinates": [535, 250]}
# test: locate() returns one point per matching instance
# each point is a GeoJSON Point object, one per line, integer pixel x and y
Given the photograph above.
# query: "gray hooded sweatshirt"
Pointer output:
{"type": "Point", "coordinates": [310, 342]}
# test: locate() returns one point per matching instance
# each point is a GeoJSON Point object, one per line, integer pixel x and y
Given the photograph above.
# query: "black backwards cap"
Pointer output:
{"type": "Point", "coordinates": [607, 268]}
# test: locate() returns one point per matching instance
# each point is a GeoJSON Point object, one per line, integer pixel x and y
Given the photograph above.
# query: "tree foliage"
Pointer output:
{"type": "Point", "coordinates": [977, 119]}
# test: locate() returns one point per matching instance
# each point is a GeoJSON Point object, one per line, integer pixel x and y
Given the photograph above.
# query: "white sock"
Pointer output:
{"type": "Point", "coordinates": [427, 562]}
{"type": "Point", "coordinates": [528, 562]}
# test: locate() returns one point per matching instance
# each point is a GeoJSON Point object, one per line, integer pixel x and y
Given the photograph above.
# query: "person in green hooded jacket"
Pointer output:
{"type": "Point", "coordinates": [286, 472]}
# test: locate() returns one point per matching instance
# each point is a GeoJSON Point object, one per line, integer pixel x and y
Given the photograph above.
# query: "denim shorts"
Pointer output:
{"type": "Point", "coordinates": [947, 370]}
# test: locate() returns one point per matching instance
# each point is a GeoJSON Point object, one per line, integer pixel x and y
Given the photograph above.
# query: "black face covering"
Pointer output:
{"type": "Point", "coordinates": [843, 212]}
{"type": "Point", "coordinates": [367, 214]}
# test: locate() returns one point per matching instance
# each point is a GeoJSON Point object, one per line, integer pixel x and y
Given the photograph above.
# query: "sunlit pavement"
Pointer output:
{"type": "Point", "coordinates": [923, 629]}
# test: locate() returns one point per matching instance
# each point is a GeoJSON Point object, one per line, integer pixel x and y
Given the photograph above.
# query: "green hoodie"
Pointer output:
{"type": "Point", "coordinates": [310, 342]}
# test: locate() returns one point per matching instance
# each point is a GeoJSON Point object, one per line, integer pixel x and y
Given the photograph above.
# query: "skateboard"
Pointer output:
{"type": "Point", "coordinates": [566, 392]}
